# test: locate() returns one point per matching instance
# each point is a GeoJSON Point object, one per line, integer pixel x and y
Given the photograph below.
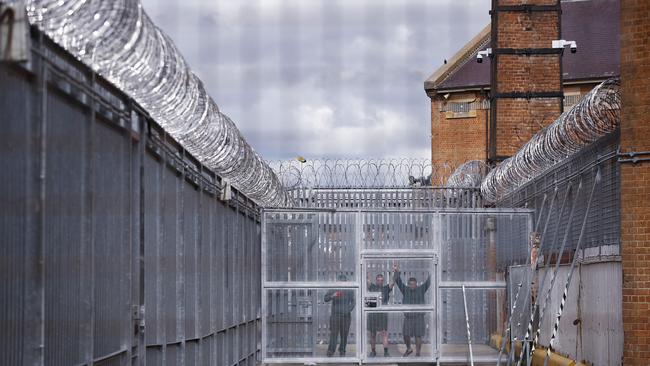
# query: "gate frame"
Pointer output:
{"type": "Point", "coordinates": [360, 358]}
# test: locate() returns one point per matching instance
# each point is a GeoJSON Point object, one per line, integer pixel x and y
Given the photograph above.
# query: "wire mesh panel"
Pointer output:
{"type": "Point", "coordinates": [311, 323]}
{"type": "Point", "coordinates": [406, 336]}
{"type": "Point", "coordinates": [303, 247]}
{"type": "Point", "coordinates": [484, 308]}
{"type": "Point", "coordinates": [392, 276]}
{"type": "Point", "coordinates": [473, 247]}
{"type": "Point", "coordinates": [603, 222]}
{"type": "Point", "coordinates": [398, 306]}
{"type": "Point", "coordinates": [383, 231]}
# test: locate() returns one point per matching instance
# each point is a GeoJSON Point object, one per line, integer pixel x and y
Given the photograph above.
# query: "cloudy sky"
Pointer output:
{"type": "Point", "coordinates": [322, 78]}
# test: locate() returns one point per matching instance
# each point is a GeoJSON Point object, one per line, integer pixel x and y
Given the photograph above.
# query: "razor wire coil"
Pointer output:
{"type": "Point", "coordinates": [360, 173]}
{"type": "Point", "coordinates": [119, 41]}
{"type": "Point", "coordinates": [597, 114]}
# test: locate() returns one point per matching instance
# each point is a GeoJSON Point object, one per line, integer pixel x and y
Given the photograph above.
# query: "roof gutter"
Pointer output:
{"type": "Point", "coordinates": [432, 90]}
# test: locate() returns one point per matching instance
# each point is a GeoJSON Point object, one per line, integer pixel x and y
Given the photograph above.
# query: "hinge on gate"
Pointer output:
{"type": "Point", "coordinates": [137, 312]}
{"type": "Point", "coordinates": [435, 259]}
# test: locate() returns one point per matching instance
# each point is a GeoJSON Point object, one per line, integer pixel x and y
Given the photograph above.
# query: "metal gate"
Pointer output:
{"type": "Point", "coordinates": [364, 285]}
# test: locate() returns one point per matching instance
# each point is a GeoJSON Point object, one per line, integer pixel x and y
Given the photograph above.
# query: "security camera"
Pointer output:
{"type": "Point", "coordinates": [560, 43]}
{"type": "Point", "coordinates": [481, 54]}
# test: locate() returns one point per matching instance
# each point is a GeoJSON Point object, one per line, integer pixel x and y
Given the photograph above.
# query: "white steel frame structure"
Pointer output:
{"type": "Point", "coordinates": [362, 256]}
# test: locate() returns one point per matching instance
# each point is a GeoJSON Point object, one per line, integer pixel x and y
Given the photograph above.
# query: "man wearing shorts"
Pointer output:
{"type": "Point", "coordinates": [378, 322]}
{"type": "Point", "coordinates": [414, 323]}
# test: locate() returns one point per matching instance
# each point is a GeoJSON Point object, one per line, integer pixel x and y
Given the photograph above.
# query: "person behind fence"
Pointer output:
{"type": "Point", "coordinates": [340, 317]}
{"type": "Point", "coordinates": [414, 323]}
{"type": "Point", "coordinates": [378, 322]}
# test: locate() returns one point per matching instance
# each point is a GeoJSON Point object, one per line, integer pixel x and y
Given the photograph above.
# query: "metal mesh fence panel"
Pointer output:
{"type": "Point", "coordinates": [118, 249]}
{"type": "Point", "coordinates": [603, 221]}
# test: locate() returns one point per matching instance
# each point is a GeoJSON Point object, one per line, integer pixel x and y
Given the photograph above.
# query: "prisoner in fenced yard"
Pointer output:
{"type": "Point", "coordinates": [414, 323]}
{"type": "Point", "coordinates": [378, 322]}
{"type": "Point", "coordinates": [340, 317]}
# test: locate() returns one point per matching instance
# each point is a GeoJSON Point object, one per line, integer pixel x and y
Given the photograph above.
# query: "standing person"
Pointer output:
{"type": "Point", "coordinates": [414, 324]}
{"type": "Point", "coordinates": [340, 317]}
{"type": "Point", "coordinates": [378, 322]}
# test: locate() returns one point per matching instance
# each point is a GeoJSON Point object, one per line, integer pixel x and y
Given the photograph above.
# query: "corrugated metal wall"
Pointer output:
{"type": "Point", "coordinates": [591, 327]}
{"type": "Point", "coordinates": [116, 247]}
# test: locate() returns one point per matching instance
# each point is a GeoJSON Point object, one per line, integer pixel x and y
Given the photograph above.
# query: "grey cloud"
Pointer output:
{"type": "Point", "coordinates": [322, 77]}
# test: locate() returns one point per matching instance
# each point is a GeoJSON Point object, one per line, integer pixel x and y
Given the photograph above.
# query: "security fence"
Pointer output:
{"type": "Point", "coordinates": [567, 185]}
{"type": "Point", "coordinates": [407, 198]}
{"type": "Point", "coordinates": [576, 210]}
{"type": "Point", "coordinates": [336, 280]}
{"type": "Point", "coordinates": [119, 248]}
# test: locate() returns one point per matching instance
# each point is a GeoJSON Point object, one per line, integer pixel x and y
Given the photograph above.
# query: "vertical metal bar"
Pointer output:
{"type": "Point", "coordinates": [359, 266]}
{"type": "Point", "coordinates": [180, 261]}
{"type": "Point", "coordinates": [34, 311]}
{"type": "Point", "coordinates": [469, 335]}
{"type": "Point", "coordinates": [265, 314]}
{"type": "Point", "coordinates": [87, 255]}
{"type": "Point", "coordinates": [437, 243]}
{"type": "Point", "coordinates": [140, 267]}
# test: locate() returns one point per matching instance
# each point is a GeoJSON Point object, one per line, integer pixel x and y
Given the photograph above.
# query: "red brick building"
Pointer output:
{"type": "Point", "coordinates": [635, 179]}
{"type": "Point", "coordinates": [462, 126]}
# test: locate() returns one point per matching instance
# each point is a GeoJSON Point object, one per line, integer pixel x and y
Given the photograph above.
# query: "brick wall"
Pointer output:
{"type": "Point", "coordinates": [635, 180]}
{"type": "Point", "coordinates": [520, 119]}
{"type": "Point", "coordinates": [456, 140]}
{"type": "Point", "coordinates": [516, 118]}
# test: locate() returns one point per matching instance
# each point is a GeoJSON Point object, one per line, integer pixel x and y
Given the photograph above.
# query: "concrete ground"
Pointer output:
{"type": "Point", "coordinates": [450, 355]}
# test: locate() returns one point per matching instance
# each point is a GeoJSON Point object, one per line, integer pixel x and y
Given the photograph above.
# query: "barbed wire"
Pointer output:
{"type": "Point", "coordinates": [360, 173]}
{"type": "Point", "coordinates": [119, 41]}
{"type": "Point", "coordinates": [468, 175]}
{"type": "Point", "coordinates": [596, 115]}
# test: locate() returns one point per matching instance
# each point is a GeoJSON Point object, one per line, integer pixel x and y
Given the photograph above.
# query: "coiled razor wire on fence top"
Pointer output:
{"type": "Point", "coordinates": [468, 175]}
{"type": "Point", "coordinates": [119, 41]}
{"type": "Point", "coordinates": [596, 115]}
{"type": "Point", "coordinates": [360, 173]}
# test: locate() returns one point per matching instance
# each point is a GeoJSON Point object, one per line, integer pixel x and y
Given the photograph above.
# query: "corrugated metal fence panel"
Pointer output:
{"type": "Point", "coordinates": [153, 248]}
{"type": "Point", "coordinates": [199, 232]}
{"type": "Point", "coordinates": [600, 313]}
{"type": "Point", "coordinates": [16, 189]}
{"type": "Point", "coordinates": [112, 218]}
{"type": "Point", "coordinates": [115, 247]}
{"type": "Point", "coordinates": [591, 327]}
{"type": "Point", "coordinates": [67, 260]}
